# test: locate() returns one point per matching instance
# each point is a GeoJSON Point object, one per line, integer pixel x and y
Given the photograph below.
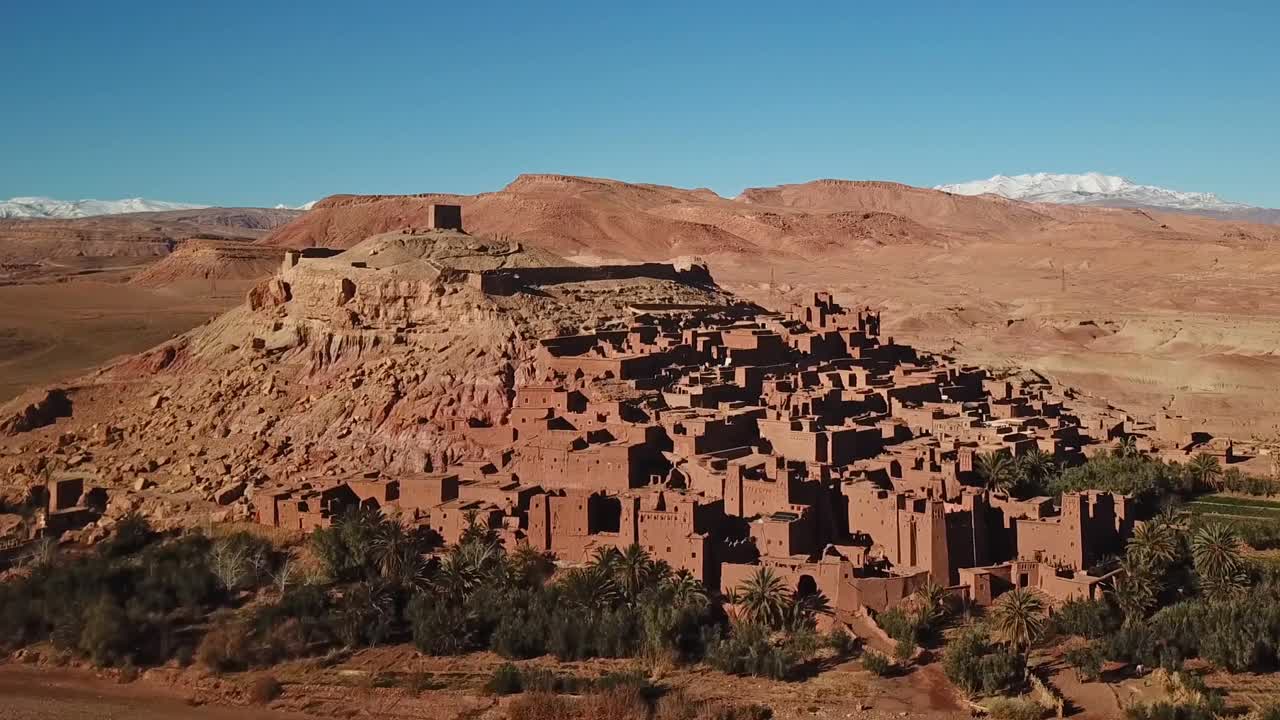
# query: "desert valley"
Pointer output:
{"type": "Point", "coordinates": [580, 447]}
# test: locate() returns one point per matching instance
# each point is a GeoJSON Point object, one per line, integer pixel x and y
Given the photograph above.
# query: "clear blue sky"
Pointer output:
{"type": "Point", "coordinates": [234, 102]}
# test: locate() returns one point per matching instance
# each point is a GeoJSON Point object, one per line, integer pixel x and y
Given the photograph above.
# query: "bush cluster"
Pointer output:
{"type": "Point", "coordinates": [979, 666]}
{"type": "Point", "coordinates": [1087, 618]}
{"type": "Point", "coordinates": [1019, 708]}
{"type": "Point", "coordinates": [129, 602]}
{"type": "Point", "coordinates": [877, 663]}
{"type": "Point", "coordinates": [1126, 474]}
{"type": "Point", "coordinates": [751, 649]}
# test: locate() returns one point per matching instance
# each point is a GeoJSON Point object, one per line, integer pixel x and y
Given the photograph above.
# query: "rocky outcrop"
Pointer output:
{"type": "Point", "coordinates": [211, 260]}
{"type": "Point", "coordinates": [368, 360]}
{"type": "Point", "coordinates": [268, 293]}
{"type": "Point", "coordinates": [34, 409]}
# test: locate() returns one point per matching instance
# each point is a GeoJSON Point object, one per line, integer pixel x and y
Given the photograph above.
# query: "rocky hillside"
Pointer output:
{"type": "Point", "coordinates": [338, 365]}
{"type": "Point", "coordinates": [200, 259]}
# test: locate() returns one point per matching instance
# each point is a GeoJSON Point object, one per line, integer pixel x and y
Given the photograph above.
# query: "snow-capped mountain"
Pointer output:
{"type": "Point", "coordinates": [42, 207]}
{"type": "Point", "coordinates": [1093, 189]}
{"type": "Point", "coordinates": [303, 206]}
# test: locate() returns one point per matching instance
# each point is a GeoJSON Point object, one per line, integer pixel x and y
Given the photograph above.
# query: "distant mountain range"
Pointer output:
{"type": "Point", "coordinates": [1109, 191]}
{"type": "Point", "coordinates": [1092, 188]}
{"type": "Point", "coordinates": [43, 208]}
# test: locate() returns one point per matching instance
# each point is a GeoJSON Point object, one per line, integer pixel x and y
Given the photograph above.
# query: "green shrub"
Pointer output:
{"type": "Point", "coordinates": [903, 650]}
{"type": "Point", "coordinates": [505, 680]}
{"type": "Point", "coordinates": [877, 663]}
{"type": "Point", "coordinates": [363, 616]}
{"type": "Point", "coordinates": [624, 678]}
{"type": "Point", "coordinates": [1134, 643]}
{"type": "Point", "coordinates": [978, 666]}
{"type": "Point", "coordinates": [440, 629]}
{"type": "Point", "coordinates": [900, 624]}
{"type": "Point", "coordinates": [1238, 634]}
{"type": "Point", "coordinates": [107, 635]}
{"type": "Point", "coordinates": [1086, 618]}
{"type": "Point", "coordinates": [1233, 480]}
{"type": "Point", "coordinates": [749, 650]}
{"type": "Point", "coordinates": [522, 633]}
{"type": "Point", "coordinates": [1087, 661]}
{"type": "Point", "coordinates": [1019, 708]}
{"type": "Point", "coordinates": [839, 640]}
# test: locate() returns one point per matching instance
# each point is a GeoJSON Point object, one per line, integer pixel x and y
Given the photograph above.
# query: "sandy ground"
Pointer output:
{"type": "Point", "coordinates": [55, 331]}
{"type": "Point", "coordinates": [374, 684]}
{"type": "Point", "coordinates": [32, 693]}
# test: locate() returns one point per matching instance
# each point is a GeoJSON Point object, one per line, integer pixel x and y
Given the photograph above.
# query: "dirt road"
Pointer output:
{"type": "Point", "coordinates": [33, 693]}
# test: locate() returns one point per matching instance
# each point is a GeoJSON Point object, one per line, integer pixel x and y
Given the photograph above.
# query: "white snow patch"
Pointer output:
{"type": "Point", "coordinates": [1090, 188]}
{"type": "Point", "coordinates": [42, 207]}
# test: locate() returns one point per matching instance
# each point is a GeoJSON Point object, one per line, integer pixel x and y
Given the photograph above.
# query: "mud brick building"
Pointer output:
{"type": "Point", "coordinates": [726, 439]}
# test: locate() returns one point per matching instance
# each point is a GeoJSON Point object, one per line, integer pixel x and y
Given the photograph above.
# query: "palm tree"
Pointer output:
{"type": "Point", "coordinates": [1036, 466]}
{"type": "Point", "coordinates": [604, 558]}
{"type": "Point", "coordinates": [803, 610]}
{"type": "Point", "coordinates": [1218, 589]}
{"type": "Point", "coordinates": [764, 598]}
{"type": "Point", "coordinates": [392, 551]}
{"type": "Point", "coordinates": [1154, 545]}
{"type": "Point", "coordinates": [1170, 516]}
{"type": "Point", "coordinates": [589, 587]}
{"type": "Point", "coordinates": [465, 569]}
{"type": "Point", "coordinates": [1215, 552]}
{"type": "Point", "coordinates": [996, 470]}
{"type": "Point", "coordinates": [634, 570]}
{"type": "Point", "coordinates": [357, 527]}
{"type": "Point", "coordinates": [1127, 447]}
{"type": "Point", "coordinates": [1133, 590]}
{"type": "Point", "coordinates": [530, 567]}
{"type": "Point", "coordinates": [683, 590]}
{"type": "Point", "coordinates": [365, 614]}
{"type": "Point", "coordinates": [476, 531]}
{"type": "Point", "coordinates": [932, 603]}
{"type": "Point", "coordinates": [1018, 617]}
{"type": "Point", "coordinates": [1206, 472]}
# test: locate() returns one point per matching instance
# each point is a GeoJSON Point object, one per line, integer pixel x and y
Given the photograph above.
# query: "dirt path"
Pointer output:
{"type": "Point", "coordinates": [33, 693]}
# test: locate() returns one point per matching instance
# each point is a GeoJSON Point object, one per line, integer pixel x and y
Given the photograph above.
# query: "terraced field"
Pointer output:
{"type": "Point", "coordinates": [1256, 522]}
{"type": "Point", "coordinates": [1235, 508]}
